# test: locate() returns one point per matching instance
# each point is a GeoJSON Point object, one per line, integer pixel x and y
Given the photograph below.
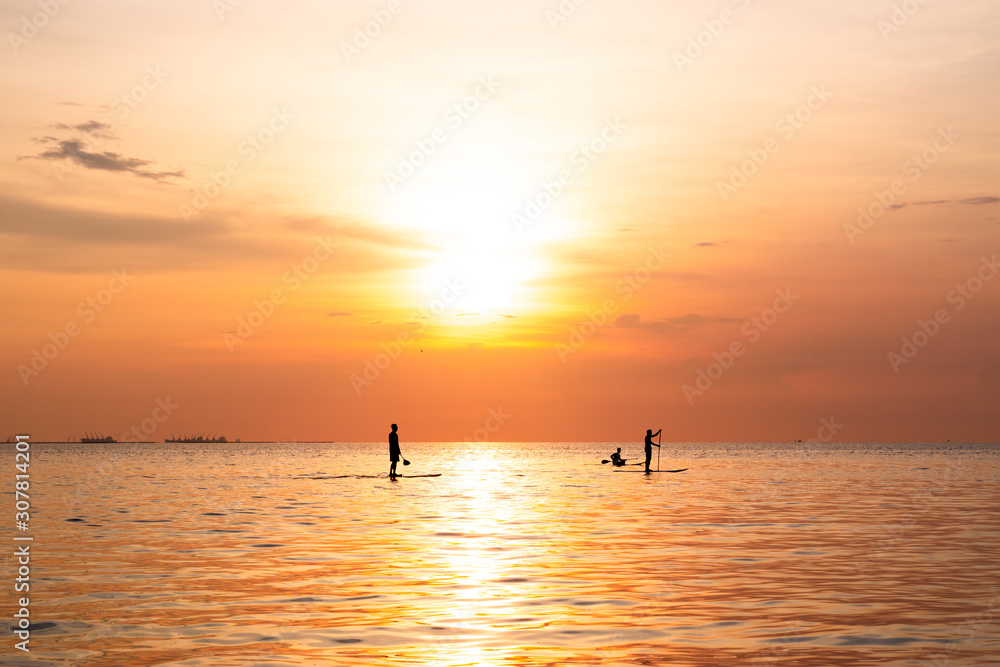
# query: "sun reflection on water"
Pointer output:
{"type": "Point", "coordinates": [507, 560]}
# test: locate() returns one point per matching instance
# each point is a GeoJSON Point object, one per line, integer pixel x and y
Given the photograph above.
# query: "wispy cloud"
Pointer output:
{"type": "Point", "coordinates": [363, 232]}
{"type": "Point", "coordinates": [95, 227]}
{"type": "Point", "coordinates": [668, 325]}
{"type": "Point", "coordinates": [72, 240]}
{"type": "Point", "coordinates": [340, 314]}
{"type": "Point", "coordinates": [84, 153]}
{"type": "Point", "coordinates": [78, 104]}
{"type": "Point", "coordinates": [971, 201]}
{"type": "Point", "coordinates": [73, 149]}
{"type": "Point", "coordinates": [89, 126]}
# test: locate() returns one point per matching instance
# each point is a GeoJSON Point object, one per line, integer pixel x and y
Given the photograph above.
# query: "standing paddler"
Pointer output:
{"type": "Point", "coordinates": [649, 446]}
{"type": "Point", "coordinates": [394, 454]}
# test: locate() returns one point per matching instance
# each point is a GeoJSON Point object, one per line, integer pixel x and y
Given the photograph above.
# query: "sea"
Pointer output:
{"type": "Point", "coordinates": [281, 554]}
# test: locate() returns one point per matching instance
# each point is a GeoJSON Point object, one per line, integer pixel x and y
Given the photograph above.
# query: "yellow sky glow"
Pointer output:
{"type": "Point", "coordinates": [572, 216]}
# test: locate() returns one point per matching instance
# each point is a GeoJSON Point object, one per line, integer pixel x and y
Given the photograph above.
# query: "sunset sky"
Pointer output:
{"type": "Point", "coordinates": [524, 220]}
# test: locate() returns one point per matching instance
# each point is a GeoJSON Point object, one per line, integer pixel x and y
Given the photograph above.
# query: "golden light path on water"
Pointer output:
{"type": "Point", "coordinates": [518, 554]}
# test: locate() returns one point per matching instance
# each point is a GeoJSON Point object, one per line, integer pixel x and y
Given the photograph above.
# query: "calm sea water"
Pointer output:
{"type": "Point", "coordinates": [519, 554]}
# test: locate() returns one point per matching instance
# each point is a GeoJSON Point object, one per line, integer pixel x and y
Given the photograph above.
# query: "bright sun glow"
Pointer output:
{"type": "Point", "coordinates": [481, 264]}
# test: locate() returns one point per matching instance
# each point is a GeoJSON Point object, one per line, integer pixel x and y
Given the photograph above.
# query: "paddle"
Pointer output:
{"type": "Point", "coordinates": [609, 461]}
{"type": "Point", "coordinates": [659, 436]}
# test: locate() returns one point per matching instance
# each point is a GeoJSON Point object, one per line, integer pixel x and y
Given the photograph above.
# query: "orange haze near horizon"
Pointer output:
{"type": "Point", "coordinates": [510, 222]}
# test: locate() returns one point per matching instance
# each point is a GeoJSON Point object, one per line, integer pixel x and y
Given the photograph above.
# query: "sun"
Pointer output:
{"type": "Point", "coordinates": [481, 276]}
{"type": "Point", "coordinates": [479, 262]}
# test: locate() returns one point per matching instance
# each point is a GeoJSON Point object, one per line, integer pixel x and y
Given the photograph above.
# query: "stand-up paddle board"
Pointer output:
{"type": "Point", "coordinates": [398, 475]}
{"type": "Point", "coordinates": [643, 471]}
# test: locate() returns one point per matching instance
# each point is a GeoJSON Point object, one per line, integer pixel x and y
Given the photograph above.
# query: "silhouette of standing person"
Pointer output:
{"type": "Point", "coordinates": [649, 445]}
{"type": "Point", "coordinates": [394, 454]}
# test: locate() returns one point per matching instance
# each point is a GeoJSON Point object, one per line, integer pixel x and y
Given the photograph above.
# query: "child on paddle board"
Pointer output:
{"type": "Point", "coordinates": [616, 459]}
{"type": "Point", "coordinates": [649, 445]}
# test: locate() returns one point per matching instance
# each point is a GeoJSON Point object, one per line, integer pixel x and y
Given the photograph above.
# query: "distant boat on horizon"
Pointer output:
{"type": "Point", "coordinates": [198, 438]}
{"type": "Point", "coordinates": [97, 437]}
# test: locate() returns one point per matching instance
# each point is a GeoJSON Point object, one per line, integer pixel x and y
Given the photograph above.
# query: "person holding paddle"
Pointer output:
{"type": "Point", "coordinates": [394, 454]}
{"type": "Point", "coordinates": [649, 446]}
